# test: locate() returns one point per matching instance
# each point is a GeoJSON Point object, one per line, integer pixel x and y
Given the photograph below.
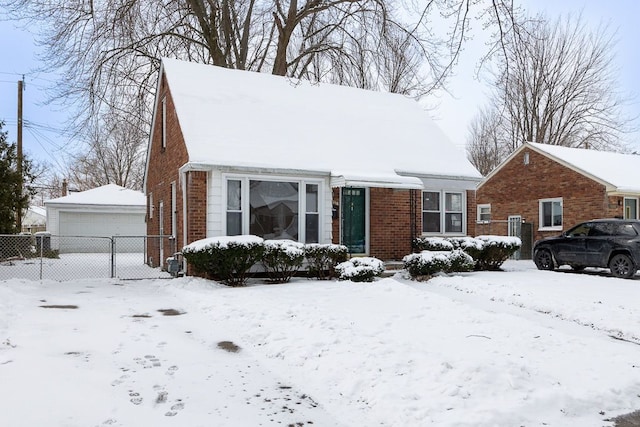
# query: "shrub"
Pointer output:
{"type": "Point", "coordinates": [495, 251]}
{"type": "Point", "coordinates": [282, 259]}
{"type": "Point", "coordinates": [434, 244]}
{"type": "Point", "coordinates": [488, 252]}
{"type": "Point", "coordinates": [460, 261]}
{"type": "Point", "coordinates": [226, 258]}
{"type": "Point", "coordinates": [360, 269]}
{"type": "Point", "coordinates": [322, 259]}
{"type": "Point", "coordinates": [427, 263]}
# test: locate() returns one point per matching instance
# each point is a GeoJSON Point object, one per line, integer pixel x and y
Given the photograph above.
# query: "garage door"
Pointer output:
{"type": "Point", "coordinates": [89, 224]}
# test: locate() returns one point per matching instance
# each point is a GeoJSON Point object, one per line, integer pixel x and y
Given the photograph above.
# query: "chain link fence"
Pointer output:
{"type": "Point", "coordinates": [44, 256]}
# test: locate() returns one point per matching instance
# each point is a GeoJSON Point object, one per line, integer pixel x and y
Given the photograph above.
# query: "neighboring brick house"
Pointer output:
{"type": "Point", "coordinates": [551, 188]}
{"type": "Point", "coordinates": [237, 152]}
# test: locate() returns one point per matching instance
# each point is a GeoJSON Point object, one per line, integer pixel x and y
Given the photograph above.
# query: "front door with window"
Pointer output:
{"type": "Point", "coordinates": [515, 230]}
{"type": "Point", "coordinates": [353, 219]}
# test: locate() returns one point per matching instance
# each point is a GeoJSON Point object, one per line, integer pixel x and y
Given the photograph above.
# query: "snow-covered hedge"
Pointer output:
{"type": "Point", "coordinates": [323, 258]}
{"type": "Point", "coordinates": [428, 263]}
{"type": "Point", "coordinates": [489, 252]}
{"type": "Point", "coordinates": [360, 269]}
{"type": "Point", "coordinates": [495, 251]}
{"type": "Point", "coordinates": [282, 259]}
{"type": "Point", "coordinates": [225, 258]}
{"type": "Point", "coordinates": [229, 258]}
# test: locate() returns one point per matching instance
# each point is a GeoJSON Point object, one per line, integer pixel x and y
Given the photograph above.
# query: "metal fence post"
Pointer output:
{"type": "Point", "coordinates": [41, 245]}
{"type": "Point", "coordinates": [113, 257]}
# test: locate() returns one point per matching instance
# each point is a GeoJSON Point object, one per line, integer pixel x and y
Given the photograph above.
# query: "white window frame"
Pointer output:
{"type": "Point", "coordinates": [443, 212]}
{"type": "Point", "coordinates": [150, 205]}
{"type": "Point", "coordinates": [164, 122]}
{"type": "Point", "coordinates": [541, 226]}
{"type": "Point", "coordinates": [479, 213]}
{"type": "Point", "coordinates": [245, 203]}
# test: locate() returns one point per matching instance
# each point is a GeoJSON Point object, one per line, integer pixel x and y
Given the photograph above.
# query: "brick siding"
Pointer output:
{"type": "Point", "coordinates": [517, 188]}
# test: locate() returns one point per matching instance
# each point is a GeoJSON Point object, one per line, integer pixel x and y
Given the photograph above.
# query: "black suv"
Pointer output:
{"type": "Point", "coordinates": [606, 243]}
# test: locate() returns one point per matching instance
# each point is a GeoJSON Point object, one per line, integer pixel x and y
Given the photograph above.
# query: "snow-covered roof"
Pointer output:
{"type": "Point", "coordinates": [110, 194]}
{"type": "Point", "coordinates": [621, 172]}
{"type": "Point", "coordinates": [256, 120]}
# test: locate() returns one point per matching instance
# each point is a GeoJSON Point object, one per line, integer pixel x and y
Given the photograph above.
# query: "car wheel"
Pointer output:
{"type": "Point", "coordinates": [577, 267]}
{"type": "Point", "coordinates": [543, 259]}
{"type": "Point", "coordinates": [622, 265]}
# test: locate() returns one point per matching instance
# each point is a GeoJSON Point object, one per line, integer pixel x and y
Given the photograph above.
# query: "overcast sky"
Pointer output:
{"type": "Point", "coordinates": [453, 112]}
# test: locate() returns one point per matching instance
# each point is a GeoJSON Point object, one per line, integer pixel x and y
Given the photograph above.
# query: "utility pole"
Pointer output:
{"type": "Point", "coordinates": [19, 210]}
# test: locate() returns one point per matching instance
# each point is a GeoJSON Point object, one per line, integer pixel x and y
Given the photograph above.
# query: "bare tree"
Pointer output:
{"type": "Point", "coordinates": [556, 85]}
{"type": "Point", "coordinates": [110, 48]}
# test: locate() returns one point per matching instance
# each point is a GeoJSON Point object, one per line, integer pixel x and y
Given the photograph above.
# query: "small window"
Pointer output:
{"type": "Point", "coordinates": [484, 214]}
{"type": "Point", "coordinates": [234, 207]}
{"type": "Point", "coordinates": [312, 215]}
{"type": "Point", "coordinates": [150, 206]}
{"type": "Point", "coordinates": [164, 123]}
{"type": "Point", "coordinates": [431, 212]}
{"type": "Point", "coordinates": [551, 214]}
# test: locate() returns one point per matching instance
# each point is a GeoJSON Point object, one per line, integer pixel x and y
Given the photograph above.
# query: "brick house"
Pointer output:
{"type": "Point", "coordinates": [549, 188]}
{"type": "Point", "coordinates": [236, 152]}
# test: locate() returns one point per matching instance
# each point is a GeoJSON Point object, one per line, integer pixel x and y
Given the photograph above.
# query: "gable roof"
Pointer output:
{"type": "Point", "coordinates": [255, 120]}
{"type": "Point", "coordinates": [617, 171]}
{"type": "Point", "coordinates": [110, 194]}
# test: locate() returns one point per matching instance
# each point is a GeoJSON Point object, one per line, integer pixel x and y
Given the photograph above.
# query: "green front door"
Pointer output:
{"type": "Point", "coordinates": [354, 219]}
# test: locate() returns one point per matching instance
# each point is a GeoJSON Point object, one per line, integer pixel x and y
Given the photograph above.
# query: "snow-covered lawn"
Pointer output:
{"type": "Point", "coordinates": [515, 348]}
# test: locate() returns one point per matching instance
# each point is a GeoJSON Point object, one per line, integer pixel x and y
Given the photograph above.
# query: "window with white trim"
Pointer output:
{"type": "Point", "coordinates": [272, 208]}
{"type": "Point", "coordinates": [150, 206]}
{"type": "Point", "coordinates": [164, 122]}
{"type": "Point", "coordinates": [550, 212]}
{"type": "Point", "coordinates": [439, 217]}
{"type": "Point", "coordinates": [483, 214]}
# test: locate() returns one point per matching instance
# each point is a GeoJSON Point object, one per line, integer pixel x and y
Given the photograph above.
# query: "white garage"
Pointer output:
{"type": "Point", "coordinates": [86, 220]}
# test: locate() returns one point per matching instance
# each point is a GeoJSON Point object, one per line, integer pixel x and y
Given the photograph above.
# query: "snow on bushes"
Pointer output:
{"type": "Point", "coordinates": [428, 263]}
{"type": "Point", "coordinates": [282, 259]}
{"type": "Point", "coordinates": [360, 269]}
{"type": "Point", "coordinates": [485, 252]}
{"type": "Point", "coordinates": [323, 258]}
{"type": "Point", "coordinates": [229, 258]}
{"type": "Point", "coordinates": [225, 258]}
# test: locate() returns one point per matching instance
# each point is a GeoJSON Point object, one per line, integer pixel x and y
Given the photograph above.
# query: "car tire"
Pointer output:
{"type": "Point", "coordinates": [622, 265]}
{"type": "Point", "coordinates": [543, 259]}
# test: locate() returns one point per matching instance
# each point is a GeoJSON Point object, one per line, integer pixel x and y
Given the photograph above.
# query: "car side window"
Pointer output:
{"type": "Point", "coordinates": [626, 230]}
{"type": "Point", "coordinates": [579, 230]}
{"type": "Point", "coordinates": [601, 229]}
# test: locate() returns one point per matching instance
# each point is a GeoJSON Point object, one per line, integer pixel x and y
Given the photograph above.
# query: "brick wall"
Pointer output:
{"type": "Point", "coordinates": [517, 188]}
{"type": "Point", "coordinates": [163, 167]}
{"type": "Point", "coordinates": [390, 223]}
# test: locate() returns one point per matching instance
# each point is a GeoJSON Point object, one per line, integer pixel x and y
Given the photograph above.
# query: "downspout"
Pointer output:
{"type": "Point", "coordinates": [185, 219]}
{"type": "Point", "coordinates": [412, 217]}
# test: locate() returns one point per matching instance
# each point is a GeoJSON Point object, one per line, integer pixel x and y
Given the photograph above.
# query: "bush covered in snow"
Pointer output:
{"type": "Point", "coordinates": [495, 251]}
{"type": "Point", "coordinates": [428, 263]}
{"type": "Point", "coordinates": [360, 269]}
{"type": "Point", "coordinates": [323, 258]}
{"type": "Point", "coordinates": [225, 258]}
{"type": "Point", "coordinates": [282, 259]}
{"type": "Point", "coordinates": [433, 244]}
{"type": "Point", "coordinates": [489, 252]}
